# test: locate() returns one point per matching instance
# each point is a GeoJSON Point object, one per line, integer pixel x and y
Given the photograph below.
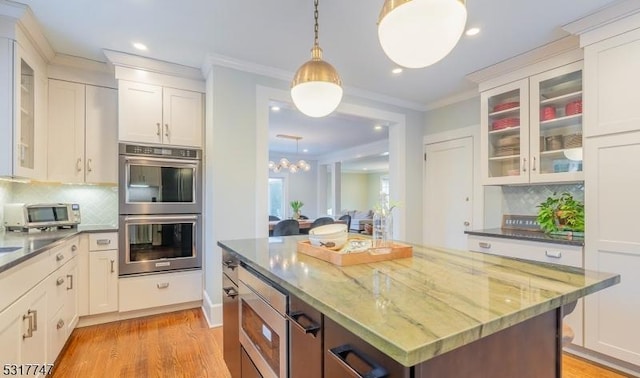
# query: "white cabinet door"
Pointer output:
{"type": "Point", "coordinates": [613, 243]}
{"type": "Point", "coordinates": [139, 112]}
{"type": "Point", "coordinates": [23, 329]}
{"type": "Point", "coordinates": [103, 281]}
{"type": "Point", "coordinates": [182, 116]}
{"type": "Point", "coordinates": [101, 135]}
{"type": "Point", "coordinates": [66, 131]}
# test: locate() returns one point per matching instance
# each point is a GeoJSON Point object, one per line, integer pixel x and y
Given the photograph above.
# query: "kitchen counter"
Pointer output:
{"type": "Point", "coordinates": [529, 235]}
{"type": "Point", "coordinates": [417, 308]}
{"type": "Point", "coordinates": [34, 242]}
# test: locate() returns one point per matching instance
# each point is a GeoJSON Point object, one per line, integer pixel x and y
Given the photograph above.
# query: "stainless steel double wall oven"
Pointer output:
{"type": "Point", "coordinates": [160, 191]}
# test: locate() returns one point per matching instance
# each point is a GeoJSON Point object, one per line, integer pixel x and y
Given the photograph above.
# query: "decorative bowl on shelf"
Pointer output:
{"type": "Point", "coordinates": [574, 107]}
{"type": "Point", "coordinates": [506, 105]}
{"type": "Point", "coordinates": [504, 123]}
{"type": "Point", "coordinates": [547, 113]}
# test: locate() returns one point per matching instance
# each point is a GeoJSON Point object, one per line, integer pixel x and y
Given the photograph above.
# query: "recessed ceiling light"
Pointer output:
{"type": "Point", "coordinates": [377, 127]}
{"type": "Point", "coordinates": [396, 71]}
{"type": "Point", "coordinates": [305, 150]}
{"type": "Point", "coordinates": [275, 108]}
{"type": "Point", "coordinates": [384, 154]}
{"type": "Point", "coordinates": [140, 46]}
{"type": "Point", "coordinates": [472, 31]}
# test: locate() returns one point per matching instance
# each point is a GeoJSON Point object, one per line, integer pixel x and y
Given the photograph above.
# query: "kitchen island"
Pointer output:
{"type": "Point", "coordinates": [440, 312]}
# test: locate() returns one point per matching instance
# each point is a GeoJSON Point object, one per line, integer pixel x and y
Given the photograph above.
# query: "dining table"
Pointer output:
{"type": "Point", "coordinates": [304, 223]}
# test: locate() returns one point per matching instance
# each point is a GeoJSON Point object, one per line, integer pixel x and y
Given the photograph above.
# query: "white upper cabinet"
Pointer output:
{"type": "Point", "coordinates": [155, 114]}
{"type": "Point", "coordinates": [532, 129]}
{"type": "Point", "coordinates": [82, 133]}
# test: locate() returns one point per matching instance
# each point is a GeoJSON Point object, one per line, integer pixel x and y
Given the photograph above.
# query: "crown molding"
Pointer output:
{"type": "Point", "coordinates": [121, 59]}
{"type": "Point", "coordinates": [605, 16]}
{"type": "Point", "coordinates": [82, 70]}
{"type": "Point", "coordinates": [453, 99]}
{"type": "Point", "coordinates": [19, 20]}
{"type": "Point", "coordinates": [254, 68]}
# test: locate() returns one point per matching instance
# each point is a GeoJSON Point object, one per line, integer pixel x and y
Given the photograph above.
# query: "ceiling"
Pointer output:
{"type": "Point", "coordinates": [278, 35]}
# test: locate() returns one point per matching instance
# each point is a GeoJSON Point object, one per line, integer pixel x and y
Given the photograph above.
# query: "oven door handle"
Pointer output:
{"type": "Point", "coordinates": [340, 354]}
{"type": "Point", "coordinates": [160, 161]}
{"type": "Point", "coordinates": [313, 328]}
{"type": "Point", "coordinates": [160, 219]}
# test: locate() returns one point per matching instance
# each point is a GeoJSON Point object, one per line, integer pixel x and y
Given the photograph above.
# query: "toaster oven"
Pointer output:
{"type": "Point", "coordinates": [22, 217]}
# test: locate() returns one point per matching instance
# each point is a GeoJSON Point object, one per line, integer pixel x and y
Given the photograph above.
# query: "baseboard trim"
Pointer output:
{"type": "Point", "coordinates": [116, 316]}
{"type": "Point", "coordinates": [212, 312]}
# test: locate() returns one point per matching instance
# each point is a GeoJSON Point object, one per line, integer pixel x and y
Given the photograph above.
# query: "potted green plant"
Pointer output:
{"type": "Point", "coordinates": [561, 213]}
{"type": "Point", "coordinates": [296, 206]}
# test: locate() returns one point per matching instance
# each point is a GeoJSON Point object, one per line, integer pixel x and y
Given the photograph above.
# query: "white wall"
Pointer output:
{"type": "Point", "coordinates": [355, 192]}
{"type": "Point", "coordinates": [453, 116]}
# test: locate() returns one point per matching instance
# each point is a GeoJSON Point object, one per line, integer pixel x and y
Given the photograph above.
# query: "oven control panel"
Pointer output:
{"type": "Point", "coordinates": [159, 151]}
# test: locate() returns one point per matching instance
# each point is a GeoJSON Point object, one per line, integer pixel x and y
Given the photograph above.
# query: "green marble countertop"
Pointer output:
{"type": "Point", "coordinates": [417, 308]}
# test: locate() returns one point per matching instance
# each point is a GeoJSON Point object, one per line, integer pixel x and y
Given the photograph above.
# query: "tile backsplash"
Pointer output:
{"type": "Point", "coordinates": [98, 204]}
{"type": "Point", "coordinates": [523, 200]}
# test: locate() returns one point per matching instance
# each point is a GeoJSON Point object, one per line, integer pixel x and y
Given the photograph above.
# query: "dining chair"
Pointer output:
{"type": "Point", "coordinates": [321, 222]}
{"type": "Point", "coordinates": [346, 218]}
{"type": "Point", "coordinates": [286, 227]}
{"type": "Point", "coordinates": [273, 218]}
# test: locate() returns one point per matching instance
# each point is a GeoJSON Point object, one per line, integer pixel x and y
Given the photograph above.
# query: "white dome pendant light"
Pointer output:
{"type": "Point", "coordinates": [418, 33]}
{"type": "Point", "coordinates": [316, 89]}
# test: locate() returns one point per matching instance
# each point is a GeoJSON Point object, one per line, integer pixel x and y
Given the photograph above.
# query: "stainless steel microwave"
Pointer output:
{"type": "Point", "coordinates": [159, 180]}
{"type": "Point", "coordinates": [22, 217]}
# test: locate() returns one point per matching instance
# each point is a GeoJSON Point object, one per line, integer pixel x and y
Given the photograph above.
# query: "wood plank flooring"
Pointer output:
{"type": "Point", "coordinates": [180, 344]}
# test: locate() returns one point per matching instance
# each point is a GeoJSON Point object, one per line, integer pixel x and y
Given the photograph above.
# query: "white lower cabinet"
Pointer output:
{"type": "Point", "coordinates": [569, 255]}
{"type": "Point", "coordinates": [163, 289]}
{"type": "Point", "coordinates": [103, 281]}
{"type": "Point", "coordinates": [23, 329]}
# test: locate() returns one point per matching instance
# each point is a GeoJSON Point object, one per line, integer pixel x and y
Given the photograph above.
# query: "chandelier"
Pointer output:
{"type": "Point", "coordinates": [285, 164]}
{"type": "Point", "coordinates": [316, 89]}
{"type": "Point", "coordinates": [418, 33]}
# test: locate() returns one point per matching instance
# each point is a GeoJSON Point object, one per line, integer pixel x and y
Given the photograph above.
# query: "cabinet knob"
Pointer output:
{"type": "Point", "coordinates": [74, 248]}
{"type": "Point", "coordinates": [467, 223]}
{"type": "Point", "coordinates": [60, 324]}
{"type": "Point", "coordinates": [59, 257]}
{"type": "Point", "coordinates": [59, 281]}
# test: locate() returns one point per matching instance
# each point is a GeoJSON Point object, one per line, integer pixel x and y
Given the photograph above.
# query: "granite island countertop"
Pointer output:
{"type": "Point", "coordinates": [17, 247]}
{"type": "Point", "coordinates": [417, 308]}
{"type": "Point", "coordinates": [529, 236]}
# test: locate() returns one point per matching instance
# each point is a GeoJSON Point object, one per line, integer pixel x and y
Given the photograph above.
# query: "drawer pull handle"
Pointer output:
{"type": "Point", "coordinates": [553, 255]}
{"type": "Point", "coordinates": [103, 241]}
{"type": "Point", "coordinates": [70, 286]}
{"type": "Point", "coordinates": [484, 245]}
{"type": "Point", "coordinates": [74, 248]}
{"type": "Point", "coordinates": [59, 257]}
{"type": "Point", "coordinates": [59, 281]}
{"type": "Point", "coordinates": [340, 355]}
{"type": "Point", "coordinates": [60, 324]}
{"type": "Point", "coordinates": [313, 328]}
{"type": "Point", "coordinates": [35, 318]}
{"type": "Point", "coordinates": [163, 285]}
{"type": "Point", "coordinates": [231, 292]}
{"type": "Point", "coordinates": [30, 329]}
{"type": "Point", "coordinates": [230, 264]}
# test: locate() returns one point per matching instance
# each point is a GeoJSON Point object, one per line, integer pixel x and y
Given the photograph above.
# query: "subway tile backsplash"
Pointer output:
{"type": "Point", "coordinates": [523, 200]}
{"type": "Point", "coordinates": [98, 204]}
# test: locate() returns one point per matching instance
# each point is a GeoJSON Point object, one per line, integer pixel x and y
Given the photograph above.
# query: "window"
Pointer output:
{"type": "Point", "coordinates": [276, 197]}
{"type": "Point", "coordinates": [384, 185]}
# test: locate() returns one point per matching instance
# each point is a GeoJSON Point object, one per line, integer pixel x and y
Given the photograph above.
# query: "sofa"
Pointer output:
{"type": "Point", "coordinates": [359, 219]}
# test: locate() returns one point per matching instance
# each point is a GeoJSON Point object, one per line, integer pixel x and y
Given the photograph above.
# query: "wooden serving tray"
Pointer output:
{"type": "Point", "coordinates": [397, 251]}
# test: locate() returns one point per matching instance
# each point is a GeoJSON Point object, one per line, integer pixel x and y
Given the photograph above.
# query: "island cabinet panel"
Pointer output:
{"type": "Point", "coordinates": [530, 349]}
{"type": "Point", "coordinates": [305, 339]}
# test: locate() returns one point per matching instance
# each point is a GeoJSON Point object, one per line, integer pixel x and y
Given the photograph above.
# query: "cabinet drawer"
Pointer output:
{"type": "Point", "coordinates": [159, 290]}
{"type": "Point", "coordinates": [58, 284]}
{"type": "Point", "coordinates": [568, 255]}
{"type": "Point", "coordinates": [64, 253]}
{"type": "Point", "coordinates": [102, 242]}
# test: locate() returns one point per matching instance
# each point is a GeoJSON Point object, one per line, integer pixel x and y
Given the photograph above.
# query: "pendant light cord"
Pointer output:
{"type": "Point", "coordinates": [315, 29]}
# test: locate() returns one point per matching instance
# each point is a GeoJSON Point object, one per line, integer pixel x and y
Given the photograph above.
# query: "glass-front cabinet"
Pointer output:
{"type": "Point", "coordinates": [532, 129]}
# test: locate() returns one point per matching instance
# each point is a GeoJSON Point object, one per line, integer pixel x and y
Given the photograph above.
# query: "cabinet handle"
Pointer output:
{"type": "Point", "coordinates": [70, 286]}
{"type": "Point", "coordinates": [484, 245]}
{"type": "Point", "coordinates": [89, 169]}
{"type": "Point", "coordinates": [60, 324]}
{"type": "Point", "coordinates": [74, 248]}
{"type": "Point", "coordinates": [103, 241]}
{"type": "Point", "coordinates": [534, 164]}
{"type": "Point", "coordinates": [524, 164]}
{"type": "Point", "coordinates": [59, 281]}
{"type": "Point", "coordinates": [166, 130]}
{"type": "Point", "coordinates": [313, 328]}
{"type": "Point", "coordinates": [231, 292]}
{"type": "Point", "coordinates": [163, 285]}
{"type": "Point", "coordinates": [78, 167]}
{"type": "Point", "coordinates": [35, 318]}
{"type": "Point", "coordinates": [59, 257]}
{"type": "Point", "coordinates": [230, 264]}
{"type": "Point", "coordinates": [340, 355]}
{"type": "Point", "coordinates": [158, 129]}
{"type": "Point", "coordinates": [30, 329]}
{"type": "Point", "coordinates": [553, 255]}
{"type": "Point", "coordinates": [112, 262]}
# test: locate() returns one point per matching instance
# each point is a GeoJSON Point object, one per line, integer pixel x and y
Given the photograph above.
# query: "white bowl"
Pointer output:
{"type": "Point", "coordinates": [334, 243]}
{"type": "Point", "coordinates": [329, 229]}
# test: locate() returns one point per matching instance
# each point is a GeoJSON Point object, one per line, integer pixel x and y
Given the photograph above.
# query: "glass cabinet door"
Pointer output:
{"type": "Point", "coordinates": [505, 134]}
{"type": "Point", "coordinates": [556, 125]}
{"type": "Point", "coordinates": [26, 143]}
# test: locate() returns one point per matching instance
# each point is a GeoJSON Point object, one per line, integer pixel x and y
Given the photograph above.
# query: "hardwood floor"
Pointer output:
{"type": "Point", "coordinates": [181, 344]}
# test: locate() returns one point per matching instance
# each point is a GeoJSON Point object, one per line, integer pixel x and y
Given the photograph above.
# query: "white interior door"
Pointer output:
{"type": "Point", "coordinates": [448, 192]}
